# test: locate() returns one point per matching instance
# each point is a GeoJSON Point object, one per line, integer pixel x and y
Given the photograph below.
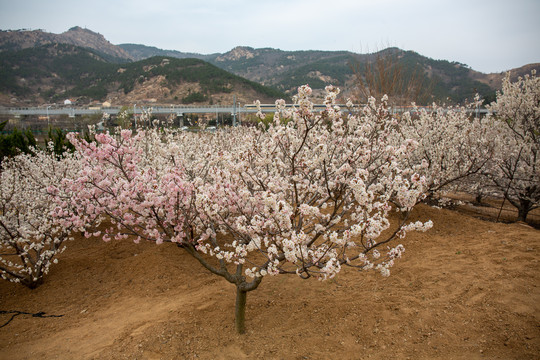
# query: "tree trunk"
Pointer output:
{"type": "Point", "coordinates": [523, 209]}
{"type": "Point", "coordinates": [478, 198]}
{"type": "Point", "coordinates": [522, 214]}
{"type": "Point", "coordinates": [31, 284]}
{"type": "Point", "coordinates": [240, 310]}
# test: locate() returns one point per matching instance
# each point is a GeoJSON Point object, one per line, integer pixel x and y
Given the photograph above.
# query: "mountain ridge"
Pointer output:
{"type": "Point", "coordinates": [55, 72]}
{"type": "Point", "coordinates": [20, 39]}
{"type": "Point", "coordinates": [286, 70]}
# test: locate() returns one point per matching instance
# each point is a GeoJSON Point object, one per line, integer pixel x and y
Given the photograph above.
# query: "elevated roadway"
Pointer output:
{"type": "Point", "coordinates": [179, 110]}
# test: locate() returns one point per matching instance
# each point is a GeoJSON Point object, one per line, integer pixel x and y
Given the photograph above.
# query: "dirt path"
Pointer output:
{"type": "Point", "coordinates": [467, 289]}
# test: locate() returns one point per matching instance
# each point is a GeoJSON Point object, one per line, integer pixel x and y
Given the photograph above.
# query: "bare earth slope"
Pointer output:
{"type": "Point", "coordinates": [467, 289]}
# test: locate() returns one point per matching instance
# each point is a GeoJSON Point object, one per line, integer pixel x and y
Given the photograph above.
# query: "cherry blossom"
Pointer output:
{"type": "Point", "coordinates": [307, 196]}
{"type": "Point", "coordinates": [454, 145]}
{"type": "Point", "coordinates": [36, 216]}
{"type": "Point", "coordinates": [515, 170]}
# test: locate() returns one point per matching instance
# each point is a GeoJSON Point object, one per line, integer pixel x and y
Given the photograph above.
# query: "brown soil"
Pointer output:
{"type": "Point", "coordinates": [466, 289]}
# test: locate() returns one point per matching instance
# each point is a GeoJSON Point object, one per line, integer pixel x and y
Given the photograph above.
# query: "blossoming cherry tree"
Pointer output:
{"type": "Point", "coordinates": [307, 196]}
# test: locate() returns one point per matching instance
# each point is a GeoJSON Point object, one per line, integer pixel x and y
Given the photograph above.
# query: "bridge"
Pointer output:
{"type": "Point", "coordinates": [114, 110]}
{"type": "Point", "coordinates": [137, 110]}
{"type": "Point", "coordinates": [178, 110]}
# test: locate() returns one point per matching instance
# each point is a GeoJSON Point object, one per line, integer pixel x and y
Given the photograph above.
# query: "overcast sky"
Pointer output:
{"type": "Point", "coordinates": [487, 35]}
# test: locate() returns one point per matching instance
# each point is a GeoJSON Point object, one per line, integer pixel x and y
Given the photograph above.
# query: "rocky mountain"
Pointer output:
{"type": "Point", "coordinates": [54, 72]}
{"type": "Point", "coordinates": [441, 80]}
{"type": "Point", "coordinates": [286, 70]}
{"type": "Point", "coordinates": [21, 39]}
{"type": "Point", "coordinates": [283, 70]}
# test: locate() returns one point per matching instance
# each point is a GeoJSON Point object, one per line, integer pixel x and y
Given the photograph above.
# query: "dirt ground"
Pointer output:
{"type": "Point", "coordinates": [466, 289]}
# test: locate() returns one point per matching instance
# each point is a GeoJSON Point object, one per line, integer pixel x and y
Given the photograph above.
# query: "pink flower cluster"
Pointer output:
{"type": "Point", "coordinates": [306, 196]}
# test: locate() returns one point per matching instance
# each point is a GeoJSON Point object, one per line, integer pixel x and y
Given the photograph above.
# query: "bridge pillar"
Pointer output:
{"type": "Point", "coordinates": [180, 117]}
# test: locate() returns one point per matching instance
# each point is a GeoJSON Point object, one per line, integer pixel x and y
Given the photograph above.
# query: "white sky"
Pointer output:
{"type": "Point", "coordinates": [487, 35]}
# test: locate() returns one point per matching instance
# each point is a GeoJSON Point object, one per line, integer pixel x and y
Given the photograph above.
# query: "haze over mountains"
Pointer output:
{"type": "Point", "coordinates": [38, 67]}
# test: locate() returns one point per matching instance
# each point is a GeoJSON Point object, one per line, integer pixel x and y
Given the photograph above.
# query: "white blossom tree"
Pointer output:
{"type": "Point", "coordinates": [35, 218]}
{"type": "Point", "coordinates": [455, 145]}
{"type": "Point", "coordinates": [307, 196]}
{"type": "Point", "coordinates": [515, 170]}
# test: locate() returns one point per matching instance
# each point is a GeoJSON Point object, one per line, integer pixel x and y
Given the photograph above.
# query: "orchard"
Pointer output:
{"type": "Point", "coordinates": [309, 195]}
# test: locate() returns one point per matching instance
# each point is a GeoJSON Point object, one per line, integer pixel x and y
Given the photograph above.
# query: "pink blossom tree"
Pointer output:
{"type": "Point", "coordinates": [307, 196]}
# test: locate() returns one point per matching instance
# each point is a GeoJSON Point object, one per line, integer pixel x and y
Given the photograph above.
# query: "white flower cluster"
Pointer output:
{"type": "Point", "coordinates": [36, 215]}
{"type": "Point", "coordinates": [515, 166]}
{"type": "Point", "coordinates": [498, 154]}
{"type": "Point", "coordinates": [308, 190]}
{"type": "Point", "coordinates": [453, 144]}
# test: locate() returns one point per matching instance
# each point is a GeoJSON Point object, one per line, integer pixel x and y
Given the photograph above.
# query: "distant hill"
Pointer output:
{"type": "Point", "coordinates": [284, 71]}
{"type": "Point", "coordinates": [141, 52]}
{"type": "Point", "coordinates": [54, 72]}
